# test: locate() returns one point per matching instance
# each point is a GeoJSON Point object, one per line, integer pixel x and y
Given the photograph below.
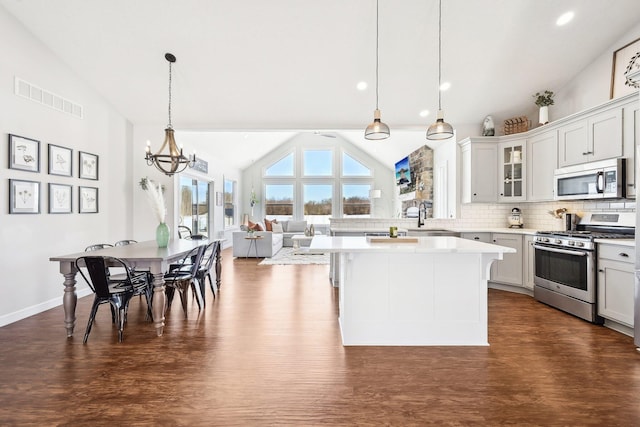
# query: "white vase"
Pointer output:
{"type": "Point", "coordinates": [544, 115]}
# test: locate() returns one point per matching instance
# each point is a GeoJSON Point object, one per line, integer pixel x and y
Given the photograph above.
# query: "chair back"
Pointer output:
{"type": "Point", "coordinates": [125, 242]}
{"type": "Point", "coordinates": [183, 232]}
{"type": "Point", "coordinates": [208, 257]}
{"type": "Point", "coordinates": [196, 237]}
{"type": "Point", "coordinates": [188, 265]}
{"type": "Point", "coordinates": [97, 246]}
{"type": "Point", "coordinates": [95, 271]}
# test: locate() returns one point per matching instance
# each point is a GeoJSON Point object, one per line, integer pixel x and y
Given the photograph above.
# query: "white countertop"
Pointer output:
{"type": "Point", "coordinates": [434, 244]}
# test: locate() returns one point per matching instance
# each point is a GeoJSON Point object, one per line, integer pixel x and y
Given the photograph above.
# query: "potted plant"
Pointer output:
{"type": "Point", "coordinates": [543, 100]}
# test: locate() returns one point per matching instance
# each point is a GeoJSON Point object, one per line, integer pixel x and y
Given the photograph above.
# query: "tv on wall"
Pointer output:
{"type": "Point", "coordinates": [403, 173]}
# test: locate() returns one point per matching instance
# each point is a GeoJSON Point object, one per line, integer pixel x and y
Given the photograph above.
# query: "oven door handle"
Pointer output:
{"type": "Point", "coordinates": [560, 251]}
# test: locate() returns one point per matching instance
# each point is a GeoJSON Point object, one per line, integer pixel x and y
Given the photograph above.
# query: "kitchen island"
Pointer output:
{"type": "Point", "coordinates": [429, 291]}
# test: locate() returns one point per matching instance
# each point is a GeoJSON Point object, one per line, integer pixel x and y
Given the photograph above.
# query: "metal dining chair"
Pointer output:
{"type": "Point", "coordinates": [182, 276]}
{"type": "Point", "coordinates": [183, 232]}
{"type": "Point", "coordinates": [95, 271]}
{"type": "Point", "coordinates": [204, 270]}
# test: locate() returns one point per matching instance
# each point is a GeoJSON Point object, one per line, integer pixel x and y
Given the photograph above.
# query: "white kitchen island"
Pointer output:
{"type": "Point", "coordinates": [433, 292]}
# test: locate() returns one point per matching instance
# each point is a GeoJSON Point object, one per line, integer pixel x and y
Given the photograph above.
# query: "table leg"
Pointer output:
{"type": "Point", "coordinates": [70, 298]}
{"type": "Point", "coordinates": [159, 301]}
{"type": "Point", "coordinates": [218, 264]}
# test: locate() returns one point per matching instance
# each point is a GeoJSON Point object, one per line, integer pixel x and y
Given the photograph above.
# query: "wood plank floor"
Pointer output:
{"type": "Point", "coordinates": [268, 352]}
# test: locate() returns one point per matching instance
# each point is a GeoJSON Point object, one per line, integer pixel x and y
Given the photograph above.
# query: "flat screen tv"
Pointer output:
{"type": "Point", "coordinates": [403, 174]}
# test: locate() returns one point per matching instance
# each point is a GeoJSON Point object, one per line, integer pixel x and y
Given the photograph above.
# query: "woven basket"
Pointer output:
{"type": "Point", "coordinates": [516, 125]}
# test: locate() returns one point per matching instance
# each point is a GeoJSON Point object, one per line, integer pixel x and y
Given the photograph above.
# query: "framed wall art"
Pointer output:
{"type": "Point", "coordinates": [24, 153]}
{"type": "Point", "coordinates": [60, 198]}
{"type": "Point", "coordinates": [24, 197]}
{"type": "Point", "coordinates": [60, 160]}
{"type": "Point", "coordinates": [88, 200]}
{"type": "Point", "coordinates": [88, 164]}
{"type": "Point", "coordinates": [621, 59]}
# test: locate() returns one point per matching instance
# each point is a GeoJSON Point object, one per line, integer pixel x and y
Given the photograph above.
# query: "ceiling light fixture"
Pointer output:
{"type": "Point", "coordinates": [440, 129]}
{"type": "Point", "coordinates": [175, 161]}
{"type": "Point", "coordinates": [377, 129]}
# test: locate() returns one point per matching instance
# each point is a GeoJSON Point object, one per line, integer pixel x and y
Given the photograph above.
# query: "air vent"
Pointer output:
{"type": "Point", "coordinates": [42, 96]}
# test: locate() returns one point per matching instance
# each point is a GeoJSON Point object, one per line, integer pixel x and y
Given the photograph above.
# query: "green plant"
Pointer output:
{"type": "Point", "coordinates": [544, 99]}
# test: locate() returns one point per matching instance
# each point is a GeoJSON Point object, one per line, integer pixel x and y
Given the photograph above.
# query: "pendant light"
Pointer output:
{"type": "Point", "coordinates": [377, 129]}
{"type": "Point", "coordinates": [440, 129]}
{"type": "Point", "coordinates": [173, 162]}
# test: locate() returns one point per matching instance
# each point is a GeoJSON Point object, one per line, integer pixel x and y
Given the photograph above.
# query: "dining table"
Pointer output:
{"type": "Point", "coordinates": [140, 256]}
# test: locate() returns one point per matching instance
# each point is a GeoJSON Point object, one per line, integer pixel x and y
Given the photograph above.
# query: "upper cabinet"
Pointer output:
{"type": "Point", "coordinates": [542, 161]}
{"type": "Point", "coordinates": [595, 137]}
{"type": "Point", "coordinates": [479, 165]}
{"type": "Point", "coordinates": [512, 170]}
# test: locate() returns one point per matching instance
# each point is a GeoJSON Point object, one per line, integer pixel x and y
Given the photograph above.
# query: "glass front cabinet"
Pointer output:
{"type": "Point", "coordinates": [512, 171]}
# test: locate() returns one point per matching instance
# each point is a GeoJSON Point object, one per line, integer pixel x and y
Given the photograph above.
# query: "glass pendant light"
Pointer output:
{"type": "Point", "coordinates": [173, 162]}
{"type": "Point", "coordinates": [440, 129]}
{"type": "Point", "coordinates": [377, 129]}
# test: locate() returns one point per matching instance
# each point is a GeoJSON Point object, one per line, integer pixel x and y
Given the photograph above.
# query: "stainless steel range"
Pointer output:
{"type": "Point", "coordinates": [565, 262]}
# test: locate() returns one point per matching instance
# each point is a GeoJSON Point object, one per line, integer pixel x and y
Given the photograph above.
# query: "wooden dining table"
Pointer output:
{"type": "Point", "coordinates": [140, 256]}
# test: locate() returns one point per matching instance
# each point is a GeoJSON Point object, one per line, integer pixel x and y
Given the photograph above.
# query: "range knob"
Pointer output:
{"type": "Point", "coordinates": [571, 243]}
{"type": "Point", "coordinates": [579, 244]}
{"type": "Point", "coordinates": [557, 241]}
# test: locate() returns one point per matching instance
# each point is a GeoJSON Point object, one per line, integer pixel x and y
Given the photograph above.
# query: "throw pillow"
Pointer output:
{"type": "Point", "coordinates": [255, 227]}
{"type": "Point", "coordinates": [268, 224]}
{"type": "Point", "coordinates": [297, 226]}
{"type": "Point", "coordinates": [277, 228]}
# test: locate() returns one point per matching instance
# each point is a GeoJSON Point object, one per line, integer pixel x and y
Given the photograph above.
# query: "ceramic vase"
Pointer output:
{"type": "Point", "coordinates": [544, 115]}
{"type": "Point", "coordinates": [162, 235]}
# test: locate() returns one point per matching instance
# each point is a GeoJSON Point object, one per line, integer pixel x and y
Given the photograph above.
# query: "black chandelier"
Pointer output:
{"type": "Point", "coordinates": [173, 162]}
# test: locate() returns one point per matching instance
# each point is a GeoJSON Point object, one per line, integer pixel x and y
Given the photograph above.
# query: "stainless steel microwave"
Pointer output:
{"type": "Point", "coordinates": [604, 179]}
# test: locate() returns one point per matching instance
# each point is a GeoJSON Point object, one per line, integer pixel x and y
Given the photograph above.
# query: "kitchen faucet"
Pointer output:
{"type": "Point", "coordinates": [422, 210]}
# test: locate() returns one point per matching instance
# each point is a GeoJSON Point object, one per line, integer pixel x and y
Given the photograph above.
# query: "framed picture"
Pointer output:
{"type": "Point", "coordinates": [59, 198]}
{"type": "Point", "coordinates": [24, 153]}
{"type": "Point", "coordinates": [24, 197]}
{"type": "Point", "coordinates": [218, 198]}
{"type": "Point", "coordinates": [88, 200]}
{"type": "Point", "coordinates": [621, 59]}
{"type": "Point", "coordinates": [88, 164]}
{"type": "Point", "coordinates": [60, 160]}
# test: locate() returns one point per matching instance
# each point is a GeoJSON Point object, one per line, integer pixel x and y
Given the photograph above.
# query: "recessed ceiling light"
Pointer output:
{"type": "Point", "coordinates": [565, 18]}
{"type": "Point", "coordinates": [361, 85]}
{"type": "Point", "coordinates": [445, 86]}
{"type": "Point", "coordinates": [424, 113]}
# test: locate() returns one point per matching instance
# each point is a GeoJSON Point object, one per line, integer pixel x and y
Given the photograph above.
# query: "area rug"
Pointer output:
{"type": "Point", "coordinates": [287, 256]}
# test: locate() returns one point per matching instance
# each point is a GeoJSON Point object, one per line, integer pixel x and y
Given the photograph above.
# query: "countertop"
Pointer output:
{"type": "Point", "coordinates": [618, 242]}
{"type": "Point", "coordinates": [433, 244]}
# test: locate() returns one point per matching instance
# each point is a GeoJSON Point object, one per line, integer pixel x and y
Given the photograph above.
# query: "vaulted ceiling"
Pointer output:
{"type": "Point", "coordinates": [293, 65]}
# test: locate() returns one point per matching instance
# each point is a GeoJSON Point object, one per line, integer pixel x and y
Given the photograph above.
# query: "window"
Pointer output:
{"type": "Point", "coordinates": [194, 205]}
{"type": "Point", "coordinates": [352, 167]}
{"type": "Point", "coordinates": [283, 167]}
{"type": "Point", "coordinates": [317, 203]}
{"type": "Point", "coordinates": [318, 162]}
{"type": "Point", "coordinates": [278, 201]}
{"type": "Point", "coordinates": [356, 201]}
{"type": "Point", "coordinates": [229, 202]}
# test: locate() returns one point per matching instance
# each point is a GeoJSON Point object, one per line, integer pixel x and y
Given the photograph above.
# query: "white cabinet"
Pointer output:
{"type": "Point", "coordinates": [512, 171]}
{"type": "Point", "coordinates": [509, 269]}
{"type": "Point", "coordinates": [631, 136]}
{"type": "Point", "coordinates": [480, 237]}
{"type": "Point", "coordinates": [595, 137]}
{"type": "Point", "coordinates": [479, 171]}
{"type": "Point", "coordinates": [616, 283]}
{"type": "Point", "coordinates": [542, 161]}
{"type": "Point", "coordinates": [528, 260]}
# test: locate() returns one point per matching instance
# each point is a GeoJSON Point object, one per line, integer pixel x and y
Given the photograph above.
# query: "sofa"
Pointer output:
{"type": "Point", "coordinates": [266, 247]}
{"type": "Point", "coordinates": [290, 229]}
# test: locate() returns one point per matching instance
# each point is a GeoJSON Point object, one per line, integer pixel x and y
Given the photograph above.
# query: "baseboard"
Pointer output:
{"type": "Point", "coordinates": [510, 288]}
{"type": "Point", "coordinates": [38, 308]}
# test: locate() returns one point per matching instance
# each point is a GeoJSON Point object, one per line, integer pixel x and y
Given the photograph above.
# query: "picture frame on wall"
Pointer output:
{"type": "Point", "coordinates": [621, 59]}
{"type": "Point", "coordinates": [60, 198]}
{"type": "Point", "coordinates": [88, 200]}
{"type": "Point", "coordinates": [60, 160]}
{"type": "Point", "coordinates": [24, 197]}
{"type": "Point", "coordinates": [24, 153]}
{"type": "Point", "coordinates": [88, 166]}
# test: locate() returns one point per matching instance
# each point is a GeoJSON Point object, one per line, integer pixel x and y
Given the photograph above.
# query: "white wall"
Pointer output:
{"type": "Point", "coordinates": [30, 282]}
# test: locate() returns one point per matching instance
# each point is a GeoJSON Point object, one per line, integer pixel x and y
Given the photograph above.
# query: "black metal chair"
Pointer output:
{"type": "Point", "coordinates": [196, 237]}
{"type": "Point", "coordinates": [125, 242]}
{"type": "Point", "coordinates": [97, 246]}
{"type": "Point", "coordinates": [182, 276]}
{"type": "Point", "coordinates": [183, 232]}
{"type": "Point", "coordinates": [204, 270]}
{"type": "Point", "coordinates": [95, 271]}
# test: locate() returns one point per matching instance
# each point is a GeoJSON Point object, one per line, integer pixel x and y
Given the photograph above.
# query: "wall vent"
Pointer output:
{"type": "Point", "coordinates": [42, 96]}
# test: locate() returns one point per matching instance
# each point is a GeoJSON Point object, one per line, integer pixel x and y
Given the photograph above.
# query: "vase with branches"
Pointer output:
{"type": "Point", "coordinates": [155, 197]}
{"type": "Point", "coordinates": [543, 100]}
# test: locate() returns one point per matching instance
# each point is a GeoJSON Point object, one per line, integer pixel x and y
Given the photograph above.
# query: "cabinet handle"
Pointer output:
{"type": "Point", "coordinates": [600, 270]}
{"type": "Point", "coordinates": [475, 194]}
{"type": "Point", "coordinates": [587, 153]}
{"type": "Point", "coordinates": [624, 255]}
{"type": "Point", "coordinates": [476, 238]}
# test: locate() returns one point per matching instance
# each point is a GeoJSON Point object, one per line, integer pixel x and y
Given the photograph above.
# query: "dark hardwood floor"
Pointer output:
{"type": "Point", "coordinates": [268, 352]}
